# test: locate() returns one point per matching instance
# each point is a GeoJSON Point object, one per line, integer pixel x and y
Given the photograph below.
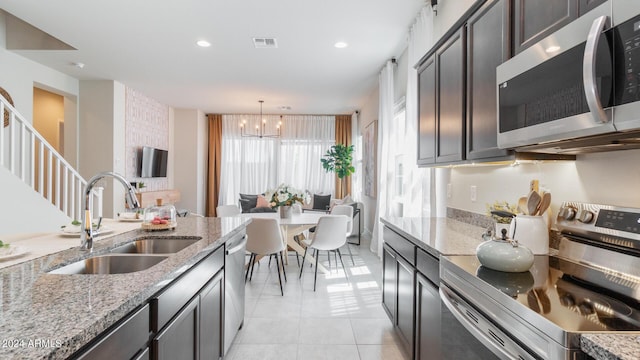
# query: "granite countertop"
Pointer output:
{"type": "Point", "coordinates": [446, 236]}
{"type": "Point", "coordinates": [52, 316]}
{"type": "Point", "coordinates": [438, 236]}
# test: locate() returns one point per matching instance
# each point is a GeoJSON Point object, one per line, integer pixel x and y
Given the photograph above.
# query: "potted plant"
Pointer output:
{"type": "Point", "coordinates": [501, 222]}
{"type": "Point", "coordinates": [339, 159]}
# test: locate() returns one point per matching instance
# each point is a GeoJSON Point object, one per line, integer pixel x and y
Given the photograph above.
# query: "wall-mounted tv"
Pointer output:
{"type": "Point", "coordinates": [152, 162]}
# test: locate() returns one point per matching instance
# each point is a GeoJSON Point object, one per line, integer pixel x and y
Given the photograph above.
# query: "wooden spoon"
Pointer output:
{"type": "Point", "coordinates": [533, 200]}
{"type": "Point", "coordinates": [544, 203]}
{"type": "Point", "coordinates": [522, 205]}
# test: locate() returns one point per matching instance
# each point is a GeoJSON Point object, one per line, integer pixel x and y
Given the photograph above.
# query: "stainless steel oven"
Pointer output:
{"type": "Point", "coordinates": [587, 286]}
{"type": "Point", "coordinates": [582, 82]}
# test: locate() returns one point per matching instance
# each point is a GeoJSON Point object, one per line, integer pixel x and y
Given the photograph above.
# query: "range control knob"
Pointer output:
{"type": "Point", "coordinates": [567, 213]}
{"type": "Point", "coordinates": [585, 217]}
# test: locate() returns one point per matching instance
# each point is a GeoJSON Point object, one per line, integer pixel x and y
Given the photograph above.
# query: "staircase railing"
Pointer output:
{"type": "Point", "coordinates": [27, 155]}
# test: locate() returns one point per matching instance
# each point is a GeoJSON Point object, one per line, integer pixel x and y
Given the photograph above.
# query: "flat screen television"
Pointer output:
{"type": "Point", "coordinates": [152, 162]}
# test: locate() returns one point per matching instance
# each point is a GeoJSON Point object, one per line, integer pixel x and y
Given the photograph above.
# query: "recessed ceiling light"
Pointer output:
{"type": "Point", "coordinates": [341, 44]}
{"type": "Point", "coordinates": [79, 65]}
{"type": "Point", "coordinates": [552, 48]}
{"type": "Point", "coordinates": [203, 43]}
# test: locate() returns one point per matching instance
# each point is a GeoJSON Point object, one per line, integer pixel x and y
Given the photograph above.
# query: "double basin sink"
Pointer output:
{"type": "Point", "coordinates": [137, 255]}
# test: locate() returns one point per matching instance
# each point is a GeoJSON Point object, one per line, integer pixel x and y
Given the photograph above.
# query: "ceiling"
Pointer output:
{"type": "Point", "coordinates": [151, 46]}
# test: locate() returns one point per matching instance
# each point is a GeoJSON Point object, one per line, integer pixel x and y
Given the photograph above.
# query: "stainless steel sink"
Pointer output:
{"type": "Point", "coordinates": [155, 246]}
{"type": "Point", "coordinates": [110, 264]}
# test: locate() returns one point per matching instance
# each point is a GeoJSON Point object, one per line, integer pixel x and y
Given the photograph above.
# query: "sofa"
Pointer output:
{"type": "Point", "coordinates": [251, 204]}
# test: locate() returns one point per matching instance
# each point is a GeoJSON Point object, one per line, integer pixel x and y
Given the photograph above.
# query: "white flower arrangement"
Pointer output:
{"type": "Point", "coordinates": [285, 195]}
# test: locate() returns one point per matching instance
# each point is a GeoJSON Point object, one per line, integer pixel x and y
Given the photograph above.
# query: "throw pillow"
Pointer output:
{"type": "Point", "coordinates": [262, 202]}
{"type": "Point", "coordinates": [321, 202]}
{"type": "Point", "coordinates": [250, 203]}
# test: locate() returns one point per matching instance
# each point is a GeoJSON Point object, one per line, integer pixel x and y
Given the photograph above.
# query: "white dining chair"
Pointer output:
{"type": "Point", "coordinates": [227, 210]}
{"type": "Point", "coordinates": [329, 235]}
{"type": "Point", "coordinates": [265, 238]}
{"type": "Point", "coordinates": [346, 210]}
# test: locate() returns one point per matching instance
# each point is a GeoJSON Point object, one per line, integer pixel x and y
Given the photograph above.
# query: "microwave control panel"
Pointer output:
{"type": "Point", "coordinates": [628, 71]}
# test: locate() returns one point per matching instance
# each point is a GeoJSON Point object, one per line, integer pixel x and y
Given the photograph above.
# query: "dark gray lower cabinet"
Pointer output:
{"type": "Point", "coordinates": [211, 315]}
{"type": "Point", "coordinates": [187, 316]}
{"type": "Point", "coordinates": [143, 355]}
{"type": "Point", "coordinates": [124, 341]}
{"type": "Point", "coordinates": [428, 320]}
{"type": "Point", "coordinates": [196, 331]}
{"type": "Point", "coordinates": [179, 339]}
{"type": "Point", "coordinates": [398, 294]}
{"type": "Point", "coordinates": [389, 281]}
{"type": "Point", "coordinates": [405, 309]}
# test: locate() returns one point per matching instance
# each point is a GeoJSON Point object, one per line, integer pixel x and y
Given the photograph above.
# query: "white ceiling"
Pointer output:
{"type": "Point", "coordinates": [150, 46]}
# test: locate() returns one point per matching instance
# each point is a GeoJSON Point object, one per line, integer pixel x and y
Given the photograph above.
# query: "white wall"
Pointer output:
{"type": "Point", "coordinates": [190, 135]}
{"type": "Point", "coordinates": [102, 127]}
{"type": "Point", "coordinates": [24, 210]}
{"type": "Point", "coordinates": [368, 114]}
{"type": "Point", "coordinates": [607, 178]}
{"type": "Point", "coordinates": [19, 75]}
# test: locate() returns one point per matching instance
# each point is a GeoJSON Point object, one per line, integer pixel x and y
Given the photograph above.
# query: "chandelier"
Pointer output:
{"type": "Point", "coordinates": [260, 129]}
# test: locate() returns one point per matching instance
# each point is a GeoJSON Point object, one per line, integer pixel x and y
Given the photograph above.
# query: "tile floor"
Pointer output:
{"type": "Point", "coordinates": [342, 320]}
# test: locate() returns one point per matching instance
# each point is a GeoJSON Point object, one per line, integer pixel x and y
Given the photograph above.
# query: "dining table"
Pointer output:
{"type": "Point", "coordinates": [291, 226]}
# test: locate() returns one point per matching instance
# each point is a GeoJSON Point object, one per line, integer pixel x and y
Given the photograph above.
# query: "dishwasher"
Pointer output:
{"type": "Point", "coordinates": [234, 288]}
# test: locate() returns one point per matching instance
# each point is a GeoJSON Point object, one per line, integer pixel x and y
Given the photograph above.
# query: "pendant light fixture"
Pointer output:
{"type": "Point", "coordinates": [260, 129]}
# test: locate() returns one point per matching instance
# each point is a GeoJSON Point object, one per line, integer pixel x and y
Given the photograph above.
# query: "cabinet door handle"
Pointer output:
{"type": "Point", "coordinates": [589, 70]}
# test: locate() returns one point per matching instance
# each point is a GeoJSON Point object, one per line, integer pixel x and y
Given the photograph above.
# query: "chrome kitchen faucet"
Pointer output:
{"type": "Point", "coordinates": [86, 233]}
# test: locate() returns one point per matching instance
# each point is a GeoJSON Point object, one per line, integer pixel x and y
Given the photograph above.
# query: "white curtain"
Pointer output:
{"type": "Point", "coordinates": [252, 165]}
{"type": "Point", "coordinates": [356, 177]}
{"type": "Point", "coordinates": [305, 140]}
{"type": "Point", "coordinates": [417, 181]}
{"type": "Point", "coordinates": [385, 161]}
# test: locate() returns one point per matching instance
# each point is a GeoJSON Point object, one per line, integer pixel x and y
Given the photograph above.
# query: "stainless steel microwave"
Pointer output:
{"type": "Point", "coordinates": [577, 90]}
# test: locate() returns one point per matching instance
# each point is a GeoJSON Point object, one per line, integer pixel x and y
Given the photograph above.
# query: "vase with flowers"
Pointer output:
{"type": "Point", "coordinates": [500, 221]}
{"type": "Point", "coordinates": [284, 196]}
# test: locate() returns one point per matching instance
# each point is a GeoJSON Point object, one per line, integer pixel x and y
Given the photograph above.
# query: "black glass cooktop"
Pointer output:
{"type": "Point", "coordinates": [560, 291]}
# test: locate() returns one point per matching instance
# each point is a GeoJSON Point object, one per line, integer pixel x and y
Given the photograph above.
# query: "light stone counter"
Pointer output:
{"type": "Point", "coordinates": [611, 347]}
{"type": "Point", "coordinates": [446, 236]}
{"type": "Point", "coordinates": [41, 244]}
{"type": "Point", "coordinates": [46, 316]}
{"type": "Point", "coordinates": [438, 236]}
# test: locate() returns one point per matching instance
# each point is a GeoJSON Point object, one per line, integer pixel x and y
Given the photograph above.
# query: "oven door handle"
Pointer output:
{"type": "Point", "coordinates": [589, 70]}
{"type": "Point", "coordinates": [487, 341]}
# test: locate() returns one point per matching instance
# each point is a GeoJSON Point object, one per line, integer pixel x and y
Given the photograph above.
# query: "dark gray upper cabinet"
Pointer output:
{"type": "Point", "coordinates": [586, 5]}
{"type": "Point", "coordinates": [427, 112]}
{"type": "Point", "coordinates": [535, 20]}
{"type": "Point", "coordinates": [487, 47]}
{"type": "Point", "coordinates": [450, 124]}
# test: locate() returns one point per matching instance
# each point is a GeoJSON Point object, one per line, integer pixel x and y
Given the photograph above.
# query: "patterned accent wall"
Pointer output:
{"type": "Point", "coordinates": [146, 124]}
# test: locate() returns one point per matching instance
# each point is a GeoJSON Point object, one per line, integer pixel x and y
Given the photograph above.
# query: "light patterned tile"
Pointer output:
{"type": "Point", "coordinates": [323, 352]}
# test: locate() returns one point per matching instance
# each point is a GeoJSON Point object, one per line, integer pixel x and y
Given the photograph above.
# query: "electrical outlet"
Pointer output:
{"type": "Point", "coordinates": [449, 191]}
{"type": "Point", "coordinates": [473, 190]}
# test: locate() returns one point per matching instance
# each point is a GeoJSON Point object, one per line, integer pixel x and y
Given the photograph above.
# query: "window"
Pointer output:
{"type": "Point", "coordinates": [253, 165]}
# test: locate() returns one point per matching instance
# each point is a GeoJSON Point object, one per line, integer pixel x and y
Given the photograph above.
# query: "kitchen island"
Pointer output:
{"type": "Point", "coordinates": [53, 316]}
{"type": "Point", "coordinates": [444, 237]}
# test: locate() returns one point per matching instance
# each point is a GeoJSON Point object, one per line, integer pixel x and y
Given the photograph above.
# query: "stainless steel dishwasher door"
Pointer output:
{"type": "Point", "coordinates": [234, 290]}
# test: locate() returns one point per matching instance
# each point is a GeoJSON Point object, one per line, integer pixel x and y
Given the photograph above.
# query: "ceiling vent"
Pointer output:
{"type": "Point", "coordinates": [265, 43]}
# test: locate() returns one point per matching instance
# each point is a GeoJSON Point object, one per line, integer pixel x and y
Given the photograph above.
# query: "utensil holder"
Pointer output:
{"type": "Point", "coordinates": [532, 232]}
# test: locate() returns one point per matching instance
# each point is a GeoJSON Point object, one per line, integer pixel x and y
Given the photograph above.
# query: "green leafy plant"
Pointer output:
{"type": "Point", "coordinates": [501, 206]}
{"type": "Point", "coordinates": [339, 159]}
